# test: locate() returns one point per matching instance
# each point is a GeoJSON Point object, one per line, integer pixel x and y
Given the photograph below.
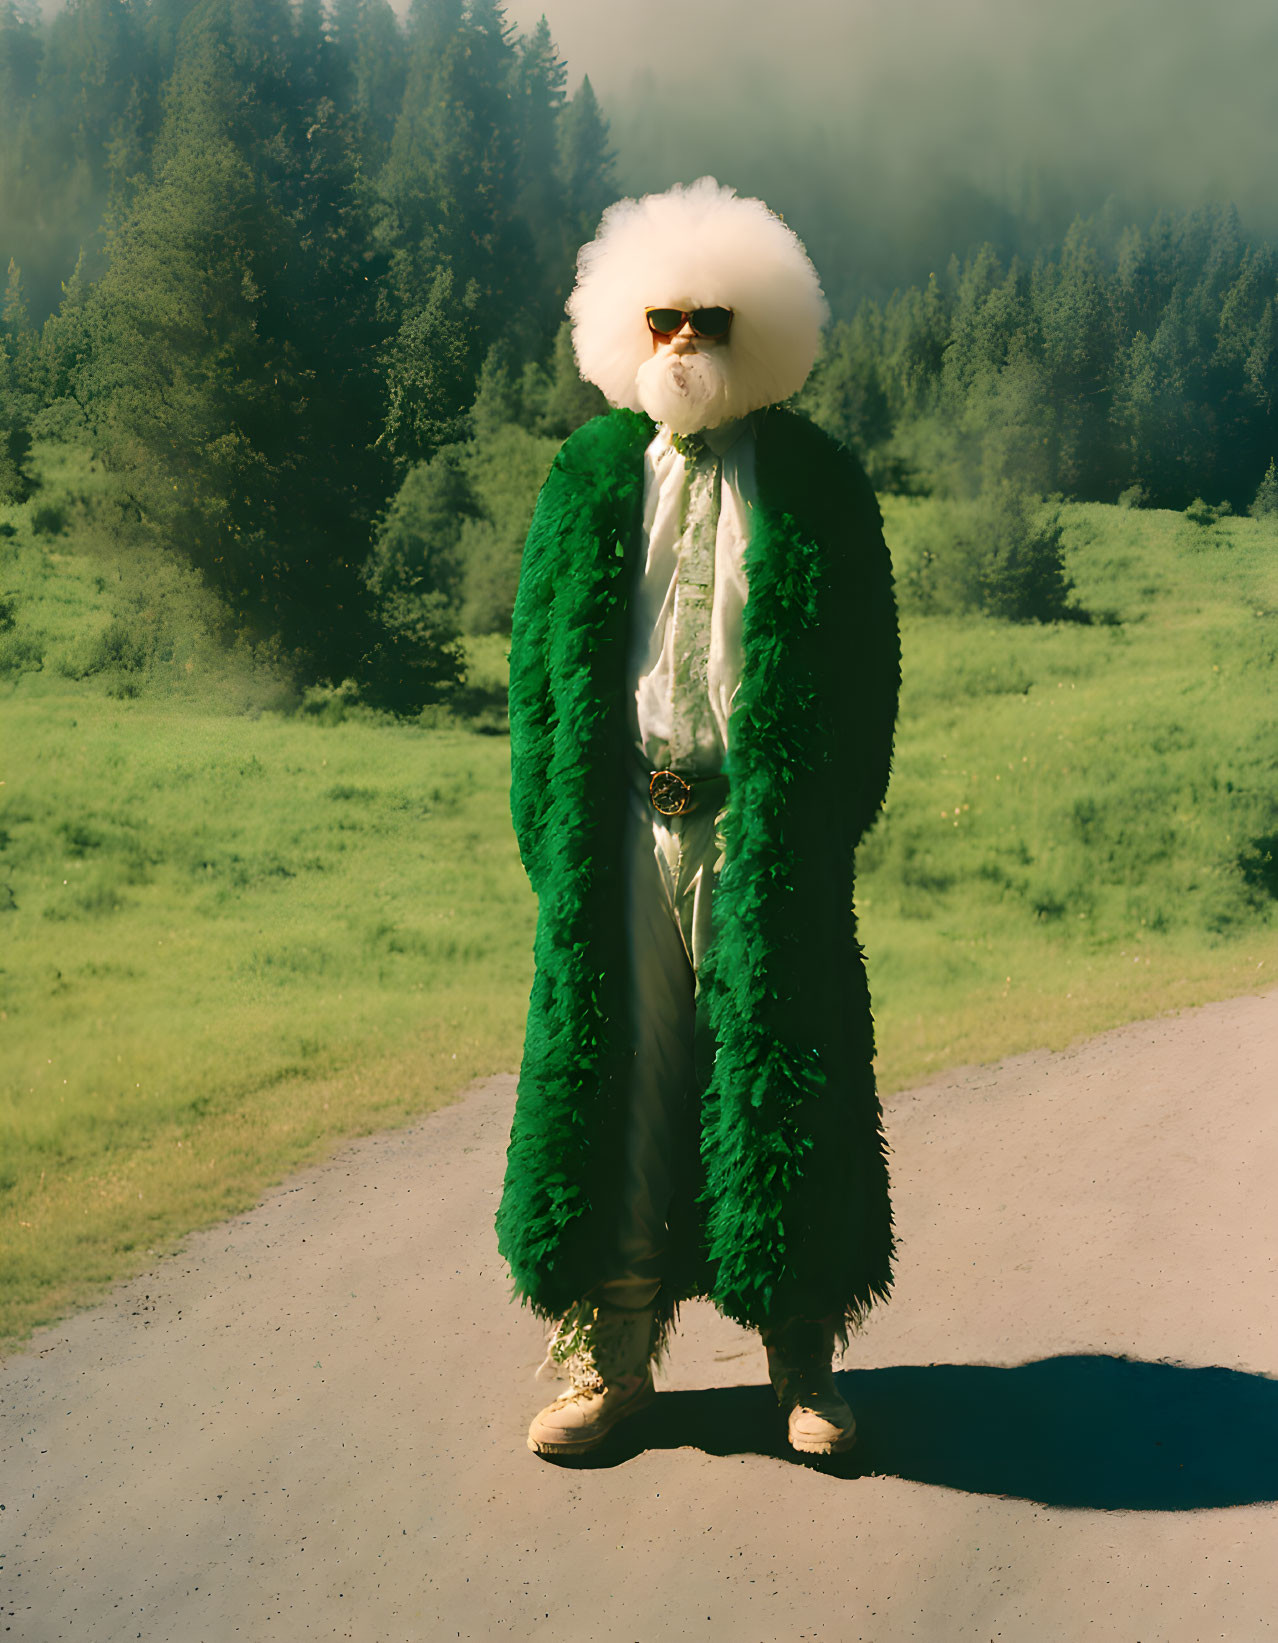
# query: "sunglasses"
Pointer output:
{"type": "Point", "coordinates": [705, 322]}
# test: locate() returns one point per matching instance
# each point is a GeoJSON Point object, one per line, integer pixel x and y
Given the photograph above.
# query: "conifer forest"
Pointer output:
{"type": "Point", "coordinates": [295, 274]}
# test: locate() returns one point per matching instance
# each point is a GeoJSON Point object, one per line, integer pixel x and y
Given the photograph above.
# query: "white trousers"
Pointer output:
{"type": "Point", "coordinates": [672, 865]}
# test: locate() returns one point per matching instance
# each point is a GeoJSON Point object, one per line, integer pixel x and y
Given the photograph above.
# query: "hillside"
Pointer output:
{"type": "Point", "coordinates": [240, 925]}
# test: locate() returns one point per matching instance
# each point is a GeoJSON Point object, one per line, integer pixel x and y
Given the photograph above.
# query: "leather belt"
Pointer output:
{"type": "Point", "coordinates": [675, 795]}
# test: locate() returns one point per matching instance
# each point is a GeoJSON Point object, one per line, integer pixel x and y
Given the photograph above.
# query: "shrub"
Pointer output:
{"type": "Point", "coordinates": [415, 547]}
{"type": "Point", "coordinates": [414, 573]}
{"type": "Point", "coordinates": [1258, 864]}
{"type": "Point", "coordinates": [118, 648]}
{"type": "Point", "coordinates": [21, 653]}
{"type": "Point", "coordinates": [1023, 575]}
{"type": "Point", "coordinates": [1003, 554]}
{"type": "Point", "coordinates": [1206, 513]}
{"type": "Point", "coordinates": [417, 658]}
{"type": "Point", "coordinates": [49, 520]}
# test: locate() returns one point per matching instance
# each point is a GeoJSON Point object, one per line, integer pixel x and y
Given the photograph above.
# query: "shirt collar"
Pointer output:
{"type": "Point", "coordinates": [720, 439]}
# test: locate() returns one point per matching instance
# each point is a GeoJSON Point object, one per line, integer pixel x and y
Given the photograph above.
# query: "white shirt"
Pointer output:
{"type": "Point", "coordinates": [653, 597]}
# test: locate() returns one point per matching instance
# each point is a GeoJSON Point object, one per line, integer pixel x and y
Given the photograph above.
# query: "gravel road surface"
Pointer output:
{"type": "Point", "coordinates": [309, 1423]}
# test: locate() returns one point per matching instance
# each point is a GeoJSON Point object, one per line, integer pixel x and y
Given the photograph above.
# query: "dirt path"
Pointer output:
{"type": "Point", "coordinates": [310, 1423]}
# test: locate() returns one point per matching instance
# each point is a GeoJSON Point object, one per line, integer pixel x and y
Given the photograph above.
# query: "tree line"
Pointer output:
{"type": "Point", "coordinates": [296, 271]}
{"type": "Point", "coordinates": [290, 238]}
{"type": "Point", "coordinates": [1138, 364]}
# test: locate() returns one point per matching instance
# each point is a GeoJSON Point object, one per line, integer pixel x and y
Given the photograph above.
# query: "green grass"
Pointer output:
{"type": "Point", "coordinates": [1079, 814]}
{"type": "Point", "coordinates": [236, 932]}
{"type": "Point", "coordinates": [233, 942]}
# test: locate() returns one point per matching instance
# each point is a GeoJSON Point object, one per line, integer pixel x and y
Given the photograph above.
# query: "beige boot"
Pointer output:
{"type": "Point", "coordinates": [800, 1354]}
{"type": "Point", "coordinates": [606, 1351]}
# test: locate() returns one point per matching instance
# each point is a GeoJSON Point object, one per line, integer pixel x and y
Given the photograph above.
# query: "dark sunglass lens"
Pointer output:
{"type": "Point", "coordinates": [712, 322]}
{"type": "Point", "coordinates": [665, 320]}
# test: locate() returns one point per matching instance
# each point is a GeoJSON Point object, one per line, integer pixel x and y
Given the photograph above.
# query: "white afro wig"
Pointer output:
{"type": "Point", "coordinates": [699, 246]}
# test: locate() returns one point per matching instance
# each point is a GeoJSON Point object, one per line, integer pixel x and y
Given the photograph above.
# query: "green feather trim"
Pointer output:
{"type": "Point", "coordinates": [790, 1215]}
{"type": "Point", "coordinates": [568, 800]}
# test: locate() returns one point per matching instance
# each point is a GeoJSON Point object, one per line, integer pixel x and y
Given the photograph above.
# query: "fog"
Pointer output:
{"type": "Point", "coordinates": [891, 134]}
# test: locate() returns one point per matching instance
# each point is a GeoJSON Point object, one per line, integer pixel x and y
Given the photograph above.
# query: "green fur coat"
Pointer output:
{"type": "Point", "coordinates": [783, 1204]}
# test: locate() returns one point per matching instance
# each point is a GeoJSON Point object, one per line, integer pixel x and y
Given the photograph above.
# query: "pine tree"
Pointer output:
{"type": "Point", "coordinates": [415, 575]}
{"type": "Point", "coordinates": [450, 179]}
{"type": "Point", "coordinates": [22, 340]}
{"type": "Point", "coordinates": [586, 163]}
{"type": "Point", "coordinates": [845, 393]}
{"type": "Point", "coordinates": [370, 46]}
{"type": "Point", "coordinates": [14, 312]}
{"type": "Point", "coordinates": [1074, 321]}
{"type": "Point", "coordinates": [64, 351]}
{"type": "Point", "coordinates": [233, 344]}
{"type": "Point", "coordinates": [1021, 569]}
{"type": "Point", "coordinates": [316, 69]}
{"type": "Point", "coordinates": [15, 434]}
{"type": "Point", "coordinates": [21, 48]}
{"type": "Point", "coordinates": [415, 548]}
{"type": "Point", "coordinates": [406, 183]}
{"type": "Point", "coordinates": [915, 333]}
{"type": "Point", "coordinates": [538, 104]}
{"type": "Point", "coordinates": [163, 25]}
{"type": "Point", "coordinates": [976, 340]}
{"type": "Point", "coordinates": [559, 400]}
{"type": "Point", "coordinates": [87, 121]}
{"type": "Point", "coordinates": [430, 370]}
{"type": "Point", "coordinates": [21, 51]}
{"type": "Point", "coordinates": [471, 170]}
{"type": "Point", "coordinates": [1265, 502]}
{"type": "Point", "coordinates": [460, 254]}
{"type": "Point", "coordinates": [498, 397]}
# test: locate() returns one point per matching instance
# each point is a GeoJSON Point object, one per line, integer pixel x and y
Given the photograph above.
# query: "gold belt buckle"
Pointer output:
{"type": "Point", "coordinates": [670, 794]}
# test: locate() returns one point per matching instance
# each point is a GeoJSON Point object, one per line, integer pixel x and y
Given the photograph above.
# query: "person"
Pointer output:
{"type": "Point", "coordinates": [704, 672]}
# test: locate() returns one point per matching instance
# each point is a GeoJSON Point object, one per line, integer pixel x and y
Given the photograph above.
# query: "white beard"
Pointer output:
{"type": "Point", "coordinates": [687, 392]}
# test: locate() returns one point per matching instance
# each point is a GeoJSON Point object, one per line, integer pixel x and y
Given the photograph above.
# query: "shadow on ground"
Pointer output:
{"type": "Point", "coordinates": [1106, 1433]}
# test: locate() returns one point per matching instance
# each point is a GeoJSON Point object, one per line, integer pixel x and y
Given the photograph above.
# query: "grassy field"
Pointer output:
{"type": "Point", "coordinates": [239, 927]}
{"type": "Point", "coordinates": [1082, 827]}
